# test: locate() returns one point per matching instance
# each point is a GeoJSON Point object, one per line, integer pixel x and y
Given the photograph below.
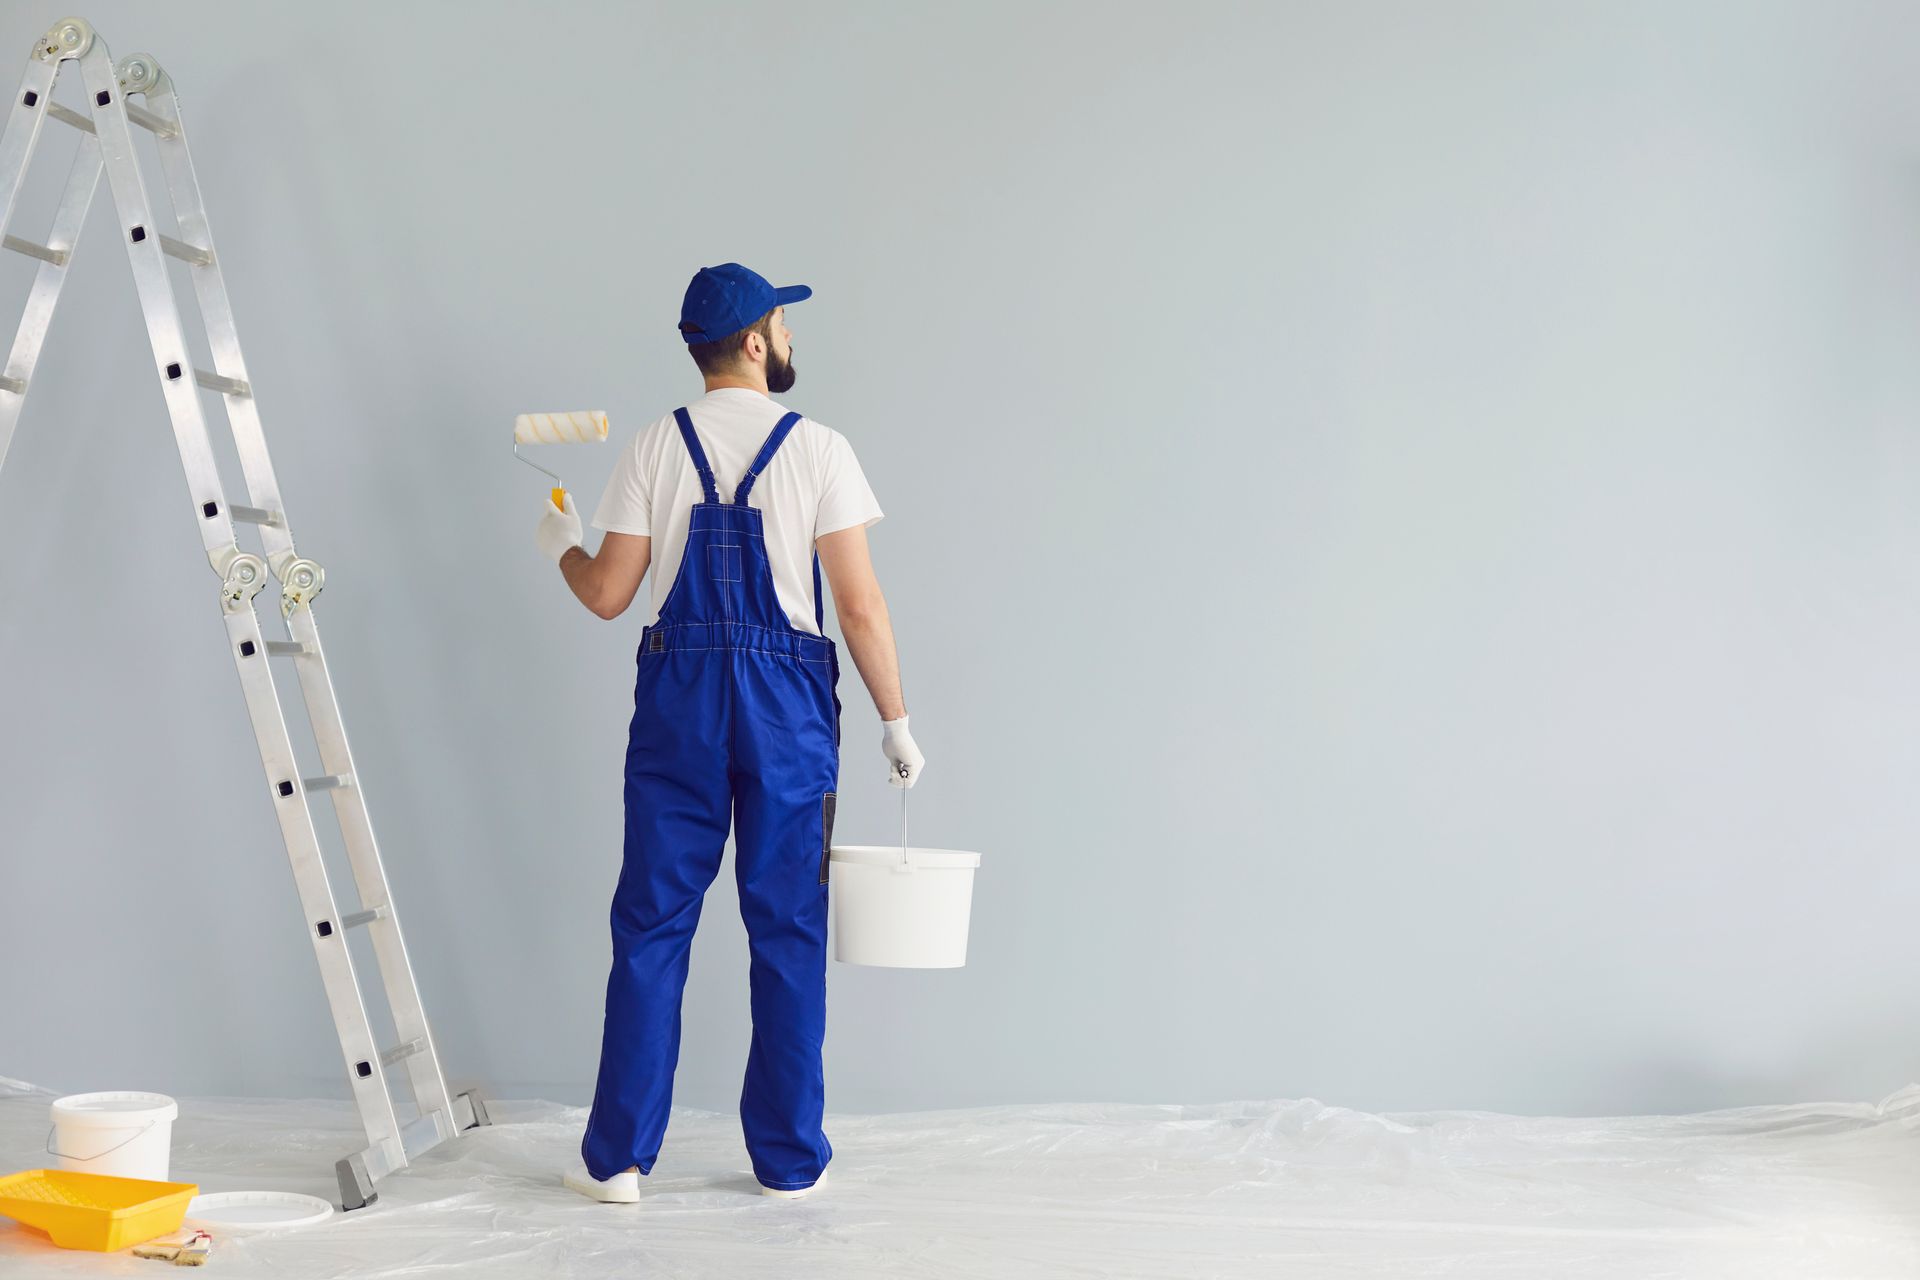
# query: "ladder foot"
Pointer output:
{"type": "Point", "coordinates": [476, 1105]}
{"type": "Point", "coordinates": [356, 1188]}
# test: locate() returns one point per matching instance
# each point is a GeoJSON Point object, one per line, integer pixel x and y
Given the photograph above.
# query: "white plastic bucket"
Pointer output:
{"type": "Point", "coordinates": [123, 1135]}
{"type": "Point", "coordinates": [901, 908]}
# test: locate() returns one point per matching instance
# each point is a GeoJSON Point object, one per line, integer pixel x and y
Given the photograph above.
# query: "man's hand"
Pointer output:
{"type": "Point", "coordinates": [559, 530]}
{"type": "Point", "coordinates": [904, 761]}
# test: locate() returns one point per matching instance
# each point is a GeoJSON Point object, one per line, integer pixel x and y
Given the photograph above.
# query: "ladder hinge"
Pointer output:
{"type": "Point", "coordinates": [300, 581]}
{"type": "Point", "coordinates": [69, 38]}
{"type": "Point", "coordinates": [242, 575]}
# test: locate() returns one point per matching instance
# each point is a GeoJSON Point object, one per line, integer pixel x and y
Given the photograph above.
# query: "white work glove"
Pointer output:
{"type": "Point", "coordinates": [904, 761]}
{"type": "Point", "coordinates": [559, 530]}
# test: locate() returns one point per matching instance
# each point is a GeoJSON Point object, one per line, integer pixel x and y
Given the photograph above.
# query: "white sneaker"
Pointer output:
{"type": "Point", "coordinates": [621, 1188]}
{"type": "Point", "coordinates": [798, 1194]}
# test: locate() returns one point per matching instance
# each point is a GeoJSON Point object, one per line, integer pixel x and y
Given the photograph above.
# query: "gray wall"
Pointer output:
{"type": "Point", "coordinates": [1401, 535]}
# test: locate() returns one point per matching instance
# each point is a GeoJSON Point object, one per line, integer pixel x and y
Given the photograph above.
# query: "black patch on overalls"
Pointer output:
{"type": "Point", "coordinates": [827, 803]}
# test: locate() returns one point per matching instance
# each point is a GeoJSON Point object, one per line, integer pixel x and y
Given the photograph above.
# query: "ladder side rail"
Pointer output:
{"type": "Point", "coordinates": [370, 878]}
{"type": "Point", "coordinates": [162, 311]}
{"type": "Point", "coordinates": [363, 854]}
{"type": "Point", "coordinates": [167, 337]}
{"type": "Point", "coordinates": [358, 1048]}
{"type": "Point", "coordinates": [216, 309]}
{"type": "Point", "coordinates": [82, 180]}
{"type": "Point", "coordinates": [23, 123]}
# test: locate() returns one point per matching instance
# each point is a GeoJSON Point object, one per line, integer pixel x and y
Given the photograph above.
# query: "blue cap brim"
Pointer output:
{"type": "Point", "coordinates": [791, 293]}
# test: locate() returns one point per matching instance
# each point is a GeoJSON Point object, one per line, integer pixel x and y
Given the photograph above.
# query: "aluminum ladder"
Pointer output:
{"type": "Point", "coordinates": [107, 142]}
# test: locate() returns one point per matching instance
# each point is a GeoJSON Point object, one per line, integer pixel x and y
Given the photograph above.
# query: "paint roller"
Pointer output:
{"type": "Point", "coordinates": [585, 426]}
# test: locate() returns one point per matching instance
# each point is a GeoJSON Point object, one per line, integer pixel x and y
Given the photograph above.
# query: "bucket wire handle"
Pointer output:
{"type": "Point", "coordinates": [906, 859]}
{"type": "Point", "coordinates": [109, 1151]}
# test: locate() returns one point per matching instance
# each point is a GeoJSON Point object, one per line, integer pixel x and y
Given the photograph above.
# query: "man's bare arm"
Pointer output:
{"type": "Point", "coordinates": [606, 583]}
{"type": "Point", "coordinates": [864, 621]}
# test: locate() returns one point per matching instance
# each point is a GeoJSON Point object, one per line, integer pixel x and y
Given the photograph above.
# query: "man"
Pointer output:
{"type": "Point", "coordinates": [736, 719]}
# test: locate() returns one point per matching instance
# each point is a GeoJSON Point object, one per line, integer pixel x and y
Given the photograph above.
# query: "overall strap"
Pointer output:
{"type": "Point", "coordinates": [699, 454]}
{"type": "Point", "coordinates": [767, 450]}
{"type": "Point", "coordinates": [819, 606]}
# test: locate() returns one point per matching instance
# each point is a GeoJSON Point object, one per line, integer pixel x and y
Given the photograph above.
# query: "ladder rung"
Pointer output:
{"type": "Point", "coordinates": [213, 381]}
{"type": "Point", "coordinates": [254, 515]}
{"type": "Point", "coordinates": [186, 253]}
{"type": "Point", "coordinates": [58, 257]}
{"type": "Point", "coordinates": [287, 649]}
{"type": "Point", "coordinates": [401, 1052]}
{"type": "Point", "coordinates": [359, 918]}
{"type": "Point", "coordinates": [16, 385]}
{"type": "Point", "coordinates": [147, 120]}
{"type": "Point", "coordinates": [422, 1134]}
{"type": "Point", "coordinates": [66, 115]}
{"type": "Point", "coordinates": [328, 782]}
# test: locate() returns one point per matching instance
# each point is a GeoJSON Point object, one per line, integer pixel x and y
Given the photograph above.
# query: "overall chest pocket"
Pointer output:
{"type": "Point", "coordinates": [723, 562]}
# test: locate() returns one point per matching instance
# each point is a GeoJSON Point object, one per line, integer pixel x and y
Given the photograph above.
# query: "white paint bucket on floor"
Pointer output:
{"type": "Point", "coordinates": [901, 908]}
{"type": "Point", "coordinates": [123, 1135]}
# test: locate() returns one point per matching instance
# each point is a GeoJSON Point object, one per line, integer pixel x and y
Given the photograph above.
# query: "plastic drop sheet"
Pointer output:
{"type": "Point", "coordinates": [1288, 1188]}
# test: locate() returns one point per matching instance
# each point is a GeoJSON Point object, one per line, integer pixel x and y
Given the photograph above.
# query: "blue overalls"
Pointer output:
{"type": "Point", "coordinates": [736, 717]}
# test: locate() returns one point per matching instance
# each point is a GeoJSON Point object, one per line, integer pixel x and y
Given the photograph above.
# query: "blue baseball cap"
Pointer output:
{"type": "Point", "coordinates": [727, 298]}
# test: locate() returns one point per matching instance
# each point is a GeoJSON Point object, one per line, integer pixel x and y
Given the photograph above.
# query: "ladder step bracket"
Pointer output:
{"type": "Point", "coordinates": [359, 918]}
{"type": "Point", "coordinates": [214, 382]}
{"type": "Point", "coordinates": [16, 385]}
{"type": "Point", "coordinates": [287, 649]}
{"type": "Point", "coordinates": [66, 115]}
{"type": "Point", "coordinates": [254, 515]}
{"type": "Point", "coordinates": [328, 782]}
{"type": "Point", "coordinates": [187, 253]}
{"type": "Point", "coordinates": [58, 257]}
{"type": "Point", "coordinates": [401, 1052]}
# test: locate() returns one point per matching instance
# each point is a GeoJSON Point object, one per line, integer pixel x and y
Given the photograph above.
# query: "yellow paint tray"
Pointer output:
{"type": "Point", "coordinates": [93, 1211]}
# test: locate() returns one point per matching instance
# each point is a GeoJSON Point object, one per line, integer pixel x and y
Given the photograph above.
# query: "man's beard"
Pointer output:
{"type": "Point", "coordinates": [780, 374]}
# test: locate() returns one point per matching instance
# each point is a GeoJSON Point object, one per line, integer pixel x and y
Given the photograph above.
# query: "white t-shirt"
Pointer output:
{"type": "Point", "coordinates": [813, 486]}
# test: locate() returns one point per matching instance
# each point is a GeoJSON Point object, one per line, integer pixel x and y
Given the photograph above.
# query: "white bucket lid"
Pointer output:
{"type": "Point", "coordinates": [878, 855]}
{"type": "Point", "coordinates": [114, 1110]}
{"type": "Point", "coordinates": [257, 1210]}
